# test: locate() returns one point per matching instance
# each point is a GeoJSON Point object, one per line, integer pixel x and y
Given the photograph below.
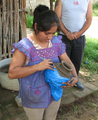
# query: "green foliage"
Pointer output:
{"type": "Point", "coordinates": [95, 9]}
{"type": "Point", "coordinates": [56, 33]}
{"type": "Point", "coordinates": [29, 20]}
{"type": "Point", "coordinates": [95, 13]}
{"type": "Point", "coordinates": [90, 57]}
{"type": "Point", "coordinates": [61, 117]}
{"type": "Point", "coordinates": [74, 108]}
{"type": "Point", "coordinates": [91, 104]}
{"type": "Point", "coordinates": [95, 6]}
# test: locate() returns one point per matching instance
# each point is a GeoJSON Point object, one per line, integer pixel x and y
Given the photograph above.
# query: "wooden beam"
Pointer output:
{"type": "Point", "coordinates": [0, 35]}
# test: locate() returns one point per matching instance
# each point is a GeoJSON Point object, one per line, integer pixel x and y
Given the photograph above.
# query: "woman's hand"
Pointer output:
{"type": "Point", "coordinates": [71, 83]}
{"type": "Point", "coordinates": [45, 64]}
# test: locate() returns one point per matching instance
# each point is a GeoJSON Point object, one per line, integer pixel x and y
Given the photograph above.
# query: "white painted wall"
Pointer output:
{"type": "Point", "coordinates": [31, 4]}
{"type": "Point", "coordinates": [94, 1]}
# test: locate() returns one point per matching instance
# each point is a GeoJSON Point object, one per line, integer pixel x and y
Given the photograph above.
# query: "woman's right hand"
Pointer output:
{"type": "Point", "coordinates": [45, 64]}
{"type": "Point", "coordinates": [70, 83]}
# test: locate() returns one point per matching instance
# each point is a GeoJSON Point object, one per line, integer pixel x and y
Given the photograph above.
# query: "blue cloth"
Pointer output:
{"type": "Point", "coordinates": [55, 82]}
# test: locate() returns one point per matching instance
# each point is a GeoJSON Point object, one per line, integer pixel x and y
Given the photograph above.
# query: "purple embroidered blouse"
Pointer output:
{"type": "Point", "coordinates": [34, 91]}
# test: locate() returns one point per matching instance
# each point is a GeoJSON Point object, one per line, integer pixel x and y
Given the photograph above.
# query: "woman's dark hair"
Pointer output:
{"type": "Point", "coordinates": [45, 19]}
{"type": "Point", "coordinates": [39, 9]}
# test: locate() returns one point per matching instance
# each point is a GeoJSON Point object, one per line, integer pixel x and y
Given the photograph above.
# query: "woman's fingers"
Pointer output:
{"type": "Point", "coordinates": [70, 83]}
{"type": "Point", "coordinates": [46, 64]}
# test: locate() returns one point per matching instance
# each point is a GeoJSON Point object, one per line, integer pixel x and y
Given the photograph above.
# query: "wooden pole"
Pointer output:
{"type": "Point", "coordinates": [8, 28]}
{"type": "Point", "coordinates": [4, 27]}
{"type": "Point", "coordinates": [0, 34]}
{"type": "Point", "coordinates": [20, 21]}
{"type": "Point", "coordinates": [51, 4]}
{"type": "Point", "coordinates": [24, 19]}
{"type": "Point", "coordinates": [17, 22]}
{"type": "Point", "coordinates": [12, 25]}
{"type": "Point", "coordinates": [15, 12]}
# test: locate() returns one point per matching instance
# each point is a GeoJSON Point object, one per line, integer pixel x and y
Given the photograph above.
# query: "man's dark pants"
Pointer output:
{"type": "Point", "coordinates": [74, 50]}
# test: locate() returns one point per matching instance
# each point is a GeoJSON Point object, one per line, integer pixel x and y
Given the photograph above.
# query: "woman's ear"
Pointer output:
{"type": "Point", "coordinates": [35, 26]}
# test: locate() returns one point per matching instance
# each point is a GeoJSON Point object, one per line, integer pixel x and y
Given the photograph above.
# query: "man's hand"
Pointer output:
{"type": "Point", "coordinates": [77, 34]}
{"type": "Point", "coordinates": [71, 36]}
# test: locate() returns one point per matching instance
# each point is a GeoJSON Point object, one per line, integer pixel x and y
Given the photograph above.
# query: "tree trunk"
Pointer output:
{"type": "Point", "coordinates": [51, 4]}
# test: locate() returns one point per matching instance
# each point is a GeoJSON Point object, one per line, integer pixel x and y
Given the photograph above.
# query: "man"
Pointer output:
{"type": "Point", "coordinates": [75, 18]}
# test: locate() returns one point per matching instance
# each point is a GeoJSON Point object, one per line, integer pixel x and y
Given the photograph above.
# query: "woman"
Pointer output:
{"type": "Point", "coordinates": [33, 55]}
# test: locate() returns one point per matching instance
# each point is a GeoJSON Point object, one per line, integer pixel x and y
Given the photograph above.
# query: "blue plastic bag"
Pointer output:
{"type": "Point", "coordinates": [55, 82]}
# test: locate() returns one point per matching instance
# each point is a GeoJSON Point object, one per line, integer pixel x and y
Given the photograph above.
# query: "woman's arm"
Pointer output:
{"type": "Point", "coordinates": [64, 57]}
{"type": "Point", "coordinates": [16, 69]}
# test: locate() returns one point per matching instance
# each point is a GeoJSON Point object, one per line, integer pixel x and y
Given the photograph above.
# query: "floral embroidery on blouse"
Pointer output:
{"type": "Point", "coordinates": [37, 46]}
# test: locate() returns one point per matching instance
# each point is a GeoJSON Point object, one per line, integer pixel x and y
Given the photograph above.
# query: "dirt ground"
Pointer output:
{"type": "Point", "coordinates": [85, 108]}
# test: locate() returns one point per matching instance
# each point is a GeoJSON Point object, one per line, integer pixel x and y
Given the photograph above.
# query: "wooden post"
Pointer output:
{"type": "Point", "coordinates": [12, 25]}
{"type": "Point", "coordinates": [15, 12]}
{"type": "Point", "coordinates": [0, 34]}
{"type": "Point", "coordinates": [51, 4]}
{"type": "Point", "coordinates": [4, 27]}
{"type": "Point", "coordinates": [24, 19]}
{"type": "Point", "coordinates": [17, 22]}
{"type": "Point", "coordinates": [8, 28]}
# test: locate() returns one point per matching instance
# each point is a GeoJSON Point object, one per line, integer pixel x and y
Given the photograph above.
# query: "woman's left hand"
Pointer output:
{"type": "Point", "coordinates": [71, 83]}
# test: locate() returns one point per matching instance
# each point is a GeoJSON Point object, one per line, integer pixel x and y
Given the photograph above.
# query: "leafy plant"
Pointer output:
{"type": "Point", "coordinates": [90, 56]}
{"type": "Point", "coordinates": [95, 6]}
{"type": "Point", "coordinates": [29, 20]}
{"type": "Point", "coordinates": [95, 9]}
{"type": "Point", "coordinates": [61, 117]}
{"type": "Point", "coordinates": [74, 108]}
{"type": "Point", "coordinates": [95, 13]}
{"type": "Point", "coordinates": [91, 104]}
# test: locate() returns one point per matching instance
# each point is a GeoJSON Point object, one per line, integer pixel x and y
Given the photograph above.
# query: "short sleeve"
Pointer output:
{"type": "Point", "coordinates": [21, 46]}
{"type": "Point", "coordinates": [63, 45]}
{"type": "Point", "coordinates": [63, 48]}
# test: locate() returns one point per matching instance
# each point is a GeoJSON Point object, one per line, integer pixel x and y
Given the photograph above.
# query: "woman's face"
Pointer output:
{"type": "Point", "coordinates": [46, 36]}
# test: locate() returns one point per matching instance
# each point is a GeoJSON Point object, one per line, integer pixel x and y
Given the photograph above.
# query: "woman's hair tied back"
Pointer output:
{"type": "Point", "coordinates": [45, 19]}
